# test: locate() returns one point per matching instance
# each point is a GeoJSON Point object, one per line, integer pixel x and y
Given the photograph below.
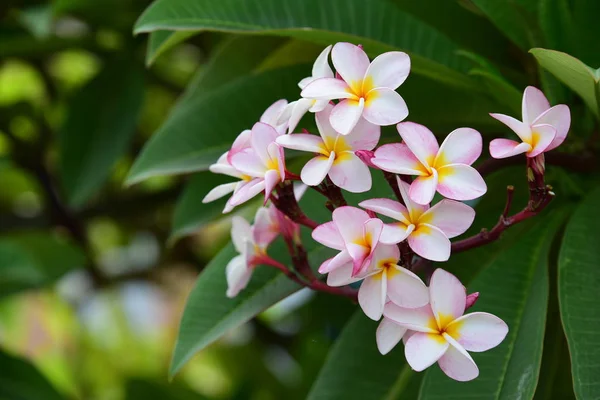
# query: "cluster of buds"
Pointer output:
{"type": "Point", "coordinates": [350, 106]}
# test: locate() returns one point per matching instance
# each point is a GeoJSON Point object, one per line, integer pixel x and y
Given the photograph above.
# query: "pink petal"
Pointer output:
{"type": "Point", "coordinates": [328, 235]}
{"type": "Point", "coordinates": [241, 232]}
{"type": "Point", "coordinates": [542, 136]}
{"type": "Point", "coordinates": [350, 173]}
{"type": "Point", "coordinates": [328, 134]}
{"type": "Point", "coordinates": [272, 178]}
{"type": "Point", "coordinates": [430, 242]}
{"type": "Point", "coordinates": [398, 159]}
{"type": "Point", "coordinates": [387, 207]}
{"type": "Point", "coordinates": [299, 108]}
{"type": "Point", "coordinates": [241, 142]}
{"type": "Point", "coordinates": [460, 182]}
{"type": "Point", "coordinates": [388, 335]}
{"type": "Point", "coordinates": [478, 331]}
{"type": "Point", "coordinates": [560, 118]}
{"type": "Point", "coordinates": [389, 70]}
{"type": "Point", "coordinates": [457, 363]}
{"type": "Point", "coordinates": [316, 169]}
{"type": "Point", "coordinates": [302, 142]}
{"type": "Point", "coordinates": [451, 217]}
{"type": "Point", "coordinates": [341, 276]}
{"type": "Point", "coordinates": [503, 148]}
{"type": "Point", "coordinates": [395, 233]}
{"type": "Point", "coordinates": [384, 107]}
{"type": "Point", "coordinates": [351, 62]}
{"type": "Point", "coordinates": [414, 209]}
{"type": "Point", "coordinates": [364, 136]}
{"type": "Point", "coordinates": [262, 136]}
{"type": "Point", "coordinates": [327, 89]}
{"type": "Point", "coordinates": [423, 188]}
{"type": "Point", "coordinates": [534, 104]}
{"type": "Point", "coordinates": [345, 115]}
{"type": "Point", "coordinates": [350, 222]}
{"type": "Point", "coordinates": [271, 114]}
{"type": "Point", "coordinates": [423, 350]}
{"type": "Point", "coordinates": [223, 166]}
{"type": "Point", "coordinates": [339, 261]}
{"type": "Point", "coordinates": [219, 191]}
{"type": "Point", "coordinates": [417, 319]}
{"type": "Point", "coordinates": [448, 297]}
{"type": "Point", "coordinates": [247, 190]}
{"type": "Point", "coordinates": [406, 289]}
{"type": "Point", "coordinates": [420, 140]}
{"type": "Point", "coordinates": [461, 146]}
{"type": "Point", "coordinates": [372, 295]}
{"type": "Point", "coordinates": [265, 228]}
{"type": "Point", "coordinates": [249, 163]}
{"type": "Point", "coordinates": [321, 68]}
{"type": "Point", "coordinates": [238, 275]}
{"type": "Point", "coordinates": [518, 127]}
{"type": "Point", "coordinates": [385, 254]}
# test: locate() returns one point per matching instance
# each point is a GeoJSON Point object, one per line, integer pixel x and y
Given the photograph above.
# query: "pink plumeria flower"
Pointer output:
{"type": "Point", "coordinates": [263, 162]}
{"type": "Point", "coordinates": [368, 89]}
{"type": "Point", "coordinates": [222, 166]}
{"type": "Point", "coordinates": [335, 153]}
{"type": "Point", "coordinates": [543, 127]}
{"type": "Point", "coordinates": [295, 110]}
{"type": "Point", "coordinates": [443, 334]}
{"type": "Point", "coordinates": [428, 230]}
{"type": "Point", "coordinates": [446, 168]}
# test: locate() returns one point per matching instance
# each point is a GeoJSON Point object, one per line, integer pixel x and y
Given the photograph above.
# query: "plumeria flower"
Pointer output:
{"type": "Point", "coordinates": [368, 89]}
{"type": "Point", "coordinates": [295, 110]}
{"type": "Point", "coordinates": [222, 166]}
{"type": "Point", "coordinates": [335, 153]}
{"type": "Point", "coordinates": [442, 333]}
{"type": "Point", "coordinates": [446, 168]}
{"type": "Point", "coordinates": [543, 127]}
{"type": "Point", "coordinates": [428, 229]}
{"type": "Point", "coordinates": [263, 162]}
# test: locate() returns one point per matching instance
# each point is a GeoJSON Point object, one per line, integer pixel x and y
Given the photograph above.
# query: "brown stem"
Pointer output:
{"type": "Point", "coordinates": [333, 193]}
{"type": "Point", "coordinates": [286, 203]}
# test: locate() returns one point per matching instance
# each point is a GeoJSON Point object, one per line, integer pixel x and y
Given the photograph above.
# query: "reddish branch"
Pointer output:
{"type": "Point", "coordinates": [286, 202]}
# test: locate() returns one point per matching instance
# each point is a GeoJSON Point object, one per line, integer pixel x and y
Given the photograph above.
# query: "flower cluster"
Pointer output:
{"type": "Point", "coordinates": [350, 105]}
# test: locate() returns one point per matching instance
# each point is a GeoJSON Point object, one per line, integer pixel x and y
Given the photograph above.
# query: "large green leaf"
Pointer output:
{"type": "Point", "coordinates": [141, 389]}
{"type": "Point", "coordinates": [515, 288]}
{"type": "Point", "coordinates": [582, 79]}
{"type": "Point", "coordinates": [161, 41]}
{"type": "Point", "coordinates": [99, 126]}
{"type": "Point", "coordinates": [578, 282]}
{"type": "Point", "coordinates": [20, 380]}
{"type": "Point", "coordinates": [377, 24]}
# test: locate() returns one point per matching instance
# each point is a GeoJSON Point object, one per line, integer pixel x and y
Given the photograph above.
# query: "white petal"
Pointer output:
{"type": "Point", "coordinates": [420, 140]}
{"type": "Point", "coordinates": [389, 69]}
{"type": "Point", "coordinates": [345, 115]}
{"type": "Point", "coordinates": [451, 217]}
{"type": "Point", "coordinates": [534, 104]}
{"type": "Point", "coordinates": [457, 363]}
{"type": "Point", "coordinates": [462, 145]}
{"type": "Point", "coordinates": [351, 62]}
{"type": "Point", "coordinates": [238, 275]}
{"type": "Point", "coordinates": [372, 295]}
{"type": "Point", "coordinates": [302, 142]}
{"type": "Point", "coordinates": [327, 234]}
{"type": "Point", "coordinates": [417, 319]}
{"type": "Point", "coordinates": [317, 169]}
{"type": "Point", "coordinates": [350, 173]}
{"type": "Point", "coordinates": [423, 350]}
{"type": "Point", "coordinates": [385, 107]}
{"type": "Point", "coordinates": [388, 335]}
{"type": "Point", "coordinates": [321, 68]}
{"type": "Point", "coordinates": [219, 191]}
{"type": "Point", "coordinates": [406, 289]}
{"type": "Point", "coordinates": [300, 108]}
{"type": "Point", "coordinates": [478, 331]}
{"type": "Point", "coordinates": [240, 233]}
{"type": "Point", "coordinates": [518, 127]}
{"type": "Point", "coordinates": [327, 89]}
{"type": "Point", "coordinates": [448, 297]}
{"type": "Point", "coordinates": [430, 242]}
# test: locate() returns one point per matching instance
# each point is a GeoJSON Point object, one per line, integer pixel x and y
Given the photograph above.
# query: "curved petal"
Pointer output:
{"type": "Point", "coordinates": [521, 129]}
{"type": "Point", "coordinates": [423, 350]}
{"type": "Point", "coordinates": [364, 136]}
{"type": "Point", "coordinates": [430, 242]}
{"type": "Point", "coordinates": [328, 134]}
{"type": "Point", "coordinates": [316, 169]}
{"type": "Point", "coordinates": [339, 261]}
{"type": "Point", "coordinates": [224, 167]}
{"type": "Point", "coordinates": [238, 275]}
{"type": "Point", "coordinates": [302, 142]}
{"type": "Point", "coordinates": [249, 163]}
{"type": "Point", "coordinates": [451, 217]}
{"type": "Point", "coordinates": [300, 107]}
{"type": "Point", "coordinates": [351, 62]}
{"type": "Point", "coordinates": [241, 142]}
{"type": "Point", "coordinates": [416, 319]}
{"type": "Point", "coordinates": [398, 159]}
{"type": "Point", "coordinates": [345, 115]}
{"type": "Point", "coordinates": [406, 289]}
{"type": "Point", "coordinates": [272, 114]}
{"type": "Point", "coordinates": [420, 140]}
{"type": "Point", "coordinates": [372, 295]}
{"type": "Point", "coordinates": [460, 182]}
{"type": "Point", "coordinates": [388, 335]}
{"type": "Point", "coordinates": [457, 363]}
{"type": "Point", "coordinates": [384, 255]}
{"type": "Point", "coordinates": [318, 105]}
{"type": "Point", "coordinates": [533, 105]}
{"type": "Point", "coordinates": [246, 191]}
{"type": "Point", "coordinates": [423, 188]}
{"type": "Point", "coordinates": [478, 331]}
{"type": "Point", "coordinates": [387, 207]}
{"type": "Point", "coordinates": [321, 68]}
{"type": "Point", "coordinates": [350, 222]}
{"type": "Point", "coordinates": [272, 178]}
{"type": "Point", "coordinates": [388, 70]}
{"type": "Point", "coordinates": [341, 276]}
{"type": "Point", "coordinates": [328, 235]}
{"type": "Point", "coordinates": [350, 173]}
{"type": "Point", "coordinates": [560, 118]}
{"type": "Point", "coordinates": [503, 148]}
{"type": "Point", "coordinates": [542, 136]}
{"type": "Point", "coordinates": [265, 228]}
{"type": "Point", "coordinates": [461, 146]}
{"type": "Point", "coordinates": [262, 136]}
{"type": "Point", "coordinates": [395, 233]}
{"type": "Point", "coordinates": [219, 191]}
{"type": "Point", "coordinates": [241, 232]}
{"type": "Point", "coordinates": [327, 89]}
{"type": "Point", "coordinates": [384, 107]}
{"type": "Point", "coordinates": [414, 209]}
{"type": "Point", "coordinates": [447, 296]}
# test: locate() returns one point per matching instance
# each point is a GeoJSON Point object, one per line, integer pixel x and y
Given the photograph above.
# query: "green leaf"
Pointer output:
{"type": "Point", "coordinates": [355, 369]}
{"type": "Point", "coordinates": [98, 129]}
{"type": "Point", "coordinates": [578, 282]}
{"type": "Point", "coordinates": [515, 288]}
{"type": "Point", "coordinates": [161, 41]}
{"type": "Point", "coordinates": [582, 79]}
{"type": "Point", "coordinates": [20, 380]}
{"type": "Point", "coordinates": [557, 24]}
{"type": "Point", "coordinates": [585, 30]}
{"type": "Point", "coordinates": [141, 389]}
{"type": "Point", "coordinates": [377, 24]}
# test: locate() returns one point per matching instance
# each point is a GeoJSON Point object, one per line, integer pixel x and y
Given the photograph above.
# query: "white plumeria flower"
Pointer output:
{"type": "Point", "coordinates": [543, 127]}
{"type": "Point", "coordinates": [443, 334]}
{"type": "Point", "coordinates": [428, 230]}
{"type": "Point", "coordinates": [273, 116]}
{"type": "Point", "coordinates": [368, 89]}
{"type": "Point", "coordinates": [222, 166]}
{"type": "Point", "coordinates": [335, 153]}
{"type": "Point", "coordinates": [295, 110]}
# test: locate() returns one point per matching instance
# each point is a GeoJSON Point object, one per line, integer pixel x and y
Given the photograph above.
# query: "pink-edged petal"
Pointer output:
{"type": "Point", "coordinates": [447, 296]}
{"type": "Point", "coordinates": [350, 222]}
{"type": "Point", "coordinates": [321, 68]}
{"type": "Point", "coordinates": [406, 289]}
{"type": "Point", "coordinates": [451, 217]}
{"type": "Point", "coordinates": [340, 260]}
{"type": "Point", "coordinates": [385, 254]}
{"type": "Point", "coordinates": [462, 146]}
{"type": "Point", "coordinates": [262, 136]}
{"type": "Point", "coordinates": [364, 136]}
{"type": "Point", "coordinates": [521, 129]}
{"type": "Point", "coordinates": [272, 114]}
{"type": "Point", "coordinates": [341, 276]}
{"type": "Point", "coordinates": [407, 336]}
{"type": "Point", "coordinates": [327, 89]}
{"type": "Point", "coordinates": [414, 209]}
{"type": "Point", "coordinates": [328, 134]}
{"type": "Point", "coordinates": [388, 70]}
{"type": "Point", "coordinates": [416, 319]}
{"type": "Point", "coordinates": [238, 275]}
{"type": "Point", "coordinates": [560, 118]}
{"type": "Point", "coordinates": [398, 159]}
{"type": "Point", "coordinates": [384, 107]}
{"type": "Point", "coordinates": [460, 182]}
{"type": "Point", "coordinates": [328, 235]}
{"type": "Point", "coordinates": [372, 295]}
{"type": "Point", "coordinates": [351, 62]}
{"type": "Point", "coordinates": [360, 259]}
{"type": "Point", "coordinates": [430, 242]}
{"type": "Point", "coordinates": [478, 331]}
{"type": "Point", "coordinates": [423, 350]}
{"type": "Point", "coordinates": [224, 167]}
{"type": "Point", "coordinates": [533, 105]}
{"type": "Point", "coordinates": [302, 142]}
{"type": "Point", "coordinates": [318, 105]}
{"type": "Point", "coordinates": [240, 143]}
{"type": "Point", "coordinates": [388, 335]}
{"type": "Point", "coordinates": [241, 232]}
{"type": "Point", "coordinates": [345, 115]}
{"type": "Point", "coordinates": [372, 231]}
{"type": "Point", "coordinates": [298, 109]}
{"type": "Point", "coordinates": [423, 188]}
{"type": "Point", "coordinates": [420, 140]}
{"type": "Point", "coordinates": [277, 159]}
{"type": "Point", "coordinates": [246, 191]}
{"type": "Point", "coordinates": [395, 233]}
{"type": "Point", "coordinates": [457, 363]}
{"type": "Point", "coordinates": [542, 136]}
{"type": "Point", "coordinates": [316, 169]}
{"type": "Point", "coordinates": [272, 178]}
{"type": "Point", "coordinates": [350, 173]}
{"type": "Point", "coordinates": [387, 207]}
{"type": "Point", "coordinates": [249, 163]}
{"type": "Point", "coordinates": [219, 191]}
{"type": "Point", "coordinates": [265, 228]}
{"type": "Point", "coordinates": [503, 148]}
